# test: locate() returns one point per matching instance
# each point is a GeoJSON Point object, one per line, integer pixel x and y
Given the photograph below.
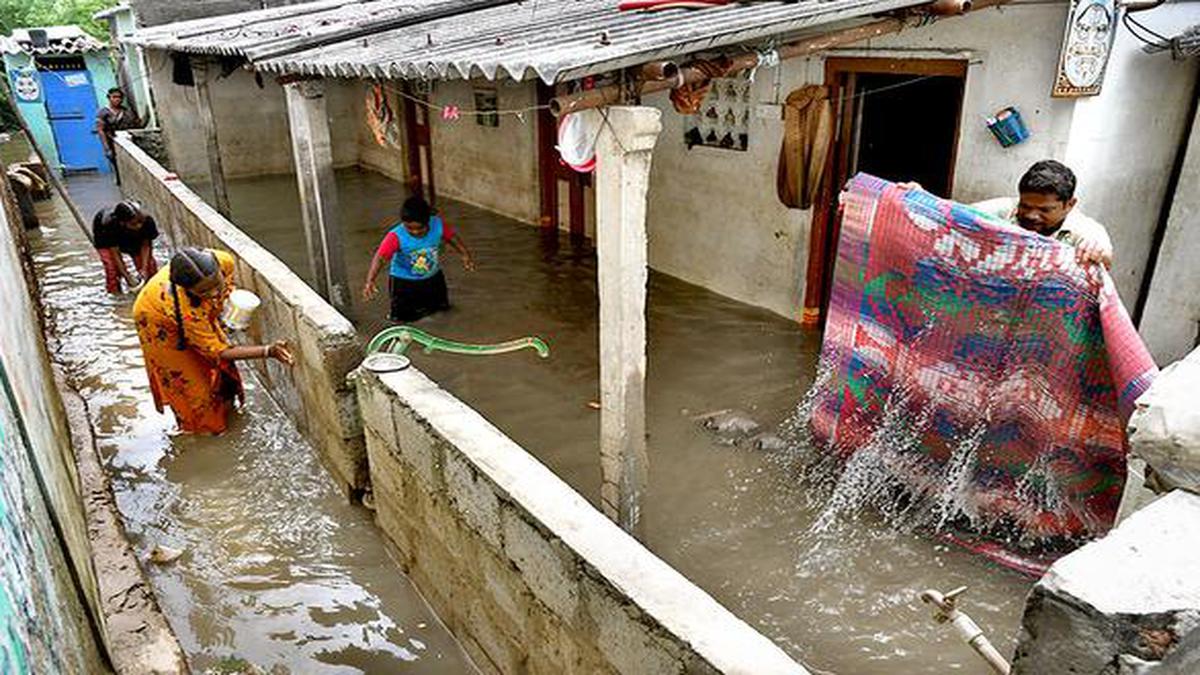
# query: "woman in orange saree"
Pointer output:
{"type": "Point", "coordinates": [189, 358]}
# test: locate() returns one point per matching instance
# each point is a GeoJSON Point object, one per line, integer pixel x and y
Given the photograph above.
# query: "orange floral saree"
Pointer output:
{"type": "Point", "coordinates": [194, 382]}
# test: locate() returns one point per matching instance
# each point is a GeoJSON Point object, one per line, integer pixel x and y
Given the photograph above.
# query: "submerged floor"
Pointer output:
{"type": "Point", "coordinates": [278, 570]}
{"type": "Point", "coordinates": [735, 520]}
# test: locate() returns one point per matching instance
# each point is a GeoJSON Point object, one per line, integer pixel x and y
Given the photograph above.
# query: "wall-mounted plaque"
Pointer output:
{"type": "Point", "coordinates": [1087, 43]}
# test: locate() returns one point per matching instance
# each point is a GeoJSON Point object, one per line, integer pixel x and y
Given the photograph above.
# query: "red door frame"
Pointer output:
{"type": "Point", "coordinates": [547, 134]}
{"type": "Point", "coordinates": [417, 135]}
{"type": "Point", "coordinates": [551, 171]}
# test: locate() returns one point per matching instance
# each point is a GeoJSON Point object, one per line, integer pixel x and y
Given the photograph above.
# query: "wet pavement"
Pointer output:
{"type": "Point", "coordinates": [736, 519]}
{"type": "Point", "coordinates": [277, 571]}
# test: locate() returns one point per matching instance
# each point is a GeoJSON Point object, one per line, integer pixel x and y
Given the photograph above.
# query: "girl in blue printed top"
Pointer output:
{"type": "Point", "coordinates": [413, 246]}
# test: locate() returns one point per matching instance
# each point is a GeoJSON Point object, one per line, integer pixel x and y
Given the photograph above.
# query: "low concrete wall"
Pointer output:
{"type": "Point", "coordinates": [314, 392]}
{"type": "Point", "coordinates": [51, 617]}
{"type": "Point", "coordinates": [1126, 603]}
{"type": "Point", "coordinates": [528, 575]}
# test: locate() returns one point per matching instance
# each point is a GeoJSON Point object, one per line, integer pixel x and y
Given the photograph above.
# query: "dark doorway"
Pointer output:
{"type": "Point", "coordinates": [897, 119]}
{"type": "Point", "coordinates": [907, 128]}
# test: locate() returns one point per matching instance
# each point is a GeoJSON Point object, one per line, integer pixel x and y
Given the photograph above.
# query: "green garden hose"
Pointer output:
{"type": "Point", "coordinates": [395, 340]}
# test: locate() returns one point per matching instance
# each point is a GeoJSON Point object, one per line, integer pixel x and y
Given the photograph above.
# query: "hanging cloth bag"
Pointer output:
{"type": "Point", "coordinates": [808, 136]}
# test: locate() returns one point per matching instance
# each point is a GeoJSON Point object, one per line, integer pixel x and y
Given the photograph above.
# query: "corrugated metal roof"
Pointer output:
{"type": "Point", "coordinates": [558, 40]}
{"type": "Point", "coordinates": [280, 30]}
{"type": "Point", "coordinates": [60, 41]}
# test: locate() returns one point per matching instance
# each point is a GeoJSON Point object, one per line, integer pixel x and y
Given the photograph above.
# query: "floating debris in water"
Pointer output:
{"type": "Point", "coordinates": [164, 555]}
{"type": "Point", "coordinates": [729, 425]}
{"type": "Point", "coordinates": [767, 442]}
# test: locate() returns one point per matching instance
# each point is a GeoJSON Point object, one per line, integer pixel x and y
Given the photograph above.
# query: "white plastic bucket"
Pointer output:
{"type": "Point", "coordinates": [239, 309]}
{"type": "Point", "coordinates": [577, 133]}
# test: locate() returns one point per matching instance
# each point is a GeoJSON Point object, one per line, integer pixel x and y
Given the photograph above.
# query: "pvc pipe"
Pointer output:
{"type": "Point", "coordinates": [681, 75]}
{"type": "Point", "coordinates": [966, 628]}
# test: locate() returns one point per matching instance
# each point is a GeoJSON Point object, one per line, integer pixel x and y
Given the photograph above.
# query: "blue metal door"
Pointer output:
{"type": "Point", "coordinates": [71, 106]}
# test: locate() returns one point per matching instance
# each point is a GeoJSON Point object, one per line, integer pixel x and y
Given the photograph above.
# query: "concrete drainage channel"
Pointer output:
{"type": "Point", "coordinates": [253, 553]}
{"type": "Point", "coordinates": [525, 573]}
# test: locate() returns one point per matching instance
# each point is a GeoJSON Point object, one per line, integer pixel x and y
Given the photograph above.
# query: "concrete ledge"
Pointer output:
{"type": "Point", "coordinates": [1127, 603]}
{"type": "Point", "coordinates": [138, 637]}
{"type": "Point", "coordinates": [314, 392]}
{"type": "Point", "coordinates": [527, 574]}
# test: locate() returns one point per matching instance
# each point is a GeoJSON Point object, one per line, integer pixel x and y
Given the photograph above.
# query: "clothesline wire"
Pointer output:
{"type": "Point", "coordinates": [518, 112]}
{"type": "Point", "coordinates": [899, 85]}
{"type": "Point", "coordinates": [1159, 41]}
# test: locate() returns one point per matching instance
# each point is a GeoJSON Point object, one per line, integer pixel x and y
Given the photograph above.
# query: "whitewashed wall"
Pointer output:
{"type": "Point", "coordinates": [251, 122]}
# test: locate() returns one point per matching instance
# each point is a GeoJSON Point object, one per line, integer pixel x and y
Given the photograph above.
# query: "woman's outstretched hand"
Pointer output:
{"type": "Point", "coordinates": [280, 352]}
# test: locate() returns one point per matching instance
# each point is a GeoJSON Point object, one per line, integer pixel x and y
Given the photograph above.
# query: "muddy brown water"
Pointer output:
{"type": "Point", "coordinates": [278, 570]}
{"type": "Point", "coordinates": [736, 520]}
{"type": "Point", "coordinates": [16, 149]}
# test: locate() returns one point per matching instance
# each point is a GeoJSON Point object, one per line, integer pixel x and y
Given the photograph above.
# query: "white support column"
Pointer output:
{"type": "Point", "coordinates": [313, 155]}
{"type": "Point", "coordinates": [623, 151]}
{"type": "Point", "coordinates": [216, 173]}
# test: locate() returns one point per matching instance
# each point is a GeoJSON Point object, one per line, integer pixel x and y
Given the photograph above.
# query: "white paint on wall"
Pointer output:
{"type": "Point", "coordinates": [251, 122]}
{"type": "Point", "coordinates": [1124, 141]}
{"type": "Point", "coordinates": [713, 217]}
{"type": "Point", "coordinates": [491, 167]}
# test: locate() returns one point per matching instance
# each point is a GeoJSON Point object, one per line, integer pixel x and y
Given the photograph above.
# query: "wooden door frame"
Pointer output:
{"type": "Point", "coordinates": [418, 135]}
{"type": "Point", "coordinates": [841, 78]}
{"type": "Point", "coordinates": [547, 135]}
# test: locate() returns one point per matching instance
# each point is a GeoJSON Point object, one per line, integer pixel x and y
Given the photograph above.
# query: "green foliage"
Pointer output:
{"type": "Point", "coordinates": [38, 13]}
{"type": "Point", "coordinates": [35, 13]}
{"type": "Point", "coordinates": [8, 116]}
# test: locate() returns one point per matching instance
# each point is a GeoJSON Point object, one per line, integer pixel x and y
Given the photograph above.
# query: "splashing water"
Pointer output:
{"type": "Point", "coordinates": [892, 477]}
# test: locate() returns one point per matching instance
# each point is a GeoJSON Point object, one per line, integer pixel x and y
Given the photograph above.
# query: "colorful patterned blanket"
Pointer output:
{"type": "Point", "coordinates": [988, 372]}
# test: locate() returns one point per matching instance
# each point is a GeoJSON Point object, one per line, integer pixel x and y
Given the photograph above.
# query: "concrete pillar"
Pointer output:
{"type": "Point", "coordinates": [623, 151]}
{"type": "Point", "coordinates": [313, 155]}
{"type": "Point", "coordinates": [216, 174]}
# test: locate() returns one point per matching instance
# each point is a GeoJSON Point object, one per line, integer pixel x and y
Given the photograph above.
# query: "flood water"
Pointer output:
{"type": "Point", "coordinates": [16, 149]}
{"type": "Point", "coordinates": [277, 569]}
{"type": "Point", "coordinates": [735, 519]}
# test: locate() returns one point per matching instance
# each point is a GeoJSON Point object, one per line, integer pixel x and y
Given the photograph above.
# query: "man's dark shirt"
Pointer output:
{"type": "Point", "coordinates": [112, 121]}
{"type": "Point", "coordinates": [108, 233]}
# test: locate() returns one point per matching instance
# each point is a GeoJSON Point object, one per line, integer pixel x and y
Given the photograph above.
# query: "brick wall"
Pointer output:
{"type": "Point", "coordinates": [526, 573]}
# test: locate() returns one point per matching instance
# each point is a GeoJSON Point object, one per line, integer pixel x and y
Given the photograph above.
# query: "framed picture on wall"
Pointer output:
{"type": "Point", "coordinates": [1087, 43]}
{"type": "Point", "coordinates": [485, 101]}
{"type": "Point", "coordinates": [724, 118]}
